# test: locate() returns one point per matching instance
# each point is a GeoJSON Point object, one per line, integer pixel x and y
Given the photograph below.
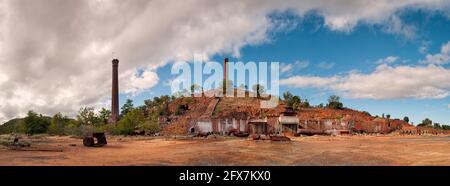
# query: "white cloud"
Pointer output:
{"type": "Point", "coordinates": [387, 60]}
{"type": "Point", "coordinates": [59, 53]}
{"type": "Point", "coordinates": [397, 26]}
{"type": "Point", "coordinates": [386, 82]}
{"type": "Point", "coordinates": [448, 105]}
{"type": "Point", "coordinates": [301, 64]}
{"type": "Point", "coordinates": [286, 68]}
{"type": "Point", "coordinates": [440, 58]}
{"type": "Point", "coordinates": [133, 83]}
{"type": "Point", "coordinates": [56, 55]}
{"type": "Point", "coordinates": [325, 65]}
{"type": "Point", "coordinates": [297, 65]}
{"type": "Point", "coordinates": [310, 81]}
{"type": "Point", "coordinates": [424, 47]}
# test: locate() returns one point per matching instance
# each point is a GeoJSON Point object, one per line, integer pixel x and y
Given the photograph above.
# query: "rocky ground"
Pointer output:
{"type": "Point", "coordinates": [315, 150]}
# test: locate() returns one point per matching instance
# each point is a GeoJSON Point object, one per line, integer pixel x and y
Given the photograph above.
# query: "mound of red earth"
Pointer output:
{"type": "Point", "coordinates": [183, 110]}
{"type": "Point", "coordinates": [362, 121]}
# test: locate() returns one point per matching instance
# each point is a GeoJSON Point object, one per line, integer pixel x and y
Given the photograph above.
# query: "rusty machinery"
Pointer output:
{"type": "Point", "coordinates": [97, 139]}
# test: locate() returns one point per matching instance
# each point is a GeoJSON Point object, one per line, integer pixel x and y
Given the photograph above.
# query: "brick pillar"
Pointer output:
{"type": "Point", "coordinates": [225, 76]}
{"type": "Point", "coordinates": [115, 92]}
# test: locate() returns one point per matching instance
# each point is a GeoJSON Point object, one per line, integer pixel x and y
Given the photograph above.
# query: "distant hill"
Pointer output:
{"type": "Point", "coordinates": [16, 125]}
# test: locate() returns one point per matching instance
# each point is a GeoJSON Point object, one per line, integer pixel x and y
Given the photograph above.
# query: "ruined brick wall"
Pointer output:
{"type": "Point", "coordinates": [272, 124]}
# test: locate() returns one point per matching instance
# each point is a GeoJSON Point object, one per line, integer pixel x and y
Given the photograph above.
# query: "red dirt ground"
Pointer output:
{"type": "Point", "coordinates": [315, 150]}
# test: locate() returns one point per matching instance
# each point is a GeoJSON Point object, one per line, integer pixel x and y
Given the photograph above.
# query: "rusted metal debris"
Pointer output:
{"type": "Point", "coordinates": [310, 132]}
{"type": "Point", "coordinates": [138, 132]}
{"type": "Point", "coordinates": [279, 138]}
{"type": "Point", "coordinates": [15, 143]}
{"type": "Point", "coordinates": [260, 137]}
{"type": "Point", "coordinates": [36, 149]}
{"type": "Point", "coordinates": [89, 141]}
{"type": "Point", "coordinates": [241, 134]}
{"type": "Point", "coordinates": [256, 137]}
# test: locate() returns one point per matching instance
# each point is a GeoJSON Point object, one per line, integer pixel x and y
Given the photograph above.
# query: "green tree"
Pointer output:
{"type": "Point", "coordinates": [334, 102]}
{"type": "Point", "coordinates": [287, 96]}
{"type": "Point", "coordinates": [295, 102]}
{"type": "Point", "coordinates": [446, 127]}
{"type": "Point", "coordinates": [104, 115]}
{"type": "Point", "coordinates": [58, 124]}
{"type": "Point", "coordinates": [158, 104]}
{"type": "Point", "coordinates": [259, 89]}
{"type": "Point", "coordinates": [129, 122]}
{"type": "Point", "coordinates": [152, 125]}
{"type": "Point", "coordinates": [87, 116]}
{"type": "Point", "coordinates": [195, 88]}
{"type": "Point", "coordinates": [437, 126]}
{"type": "Point", "coordinates": [406, 119]}
{"type": "Point", "coordinates": [127, 107]}
{"type": "Point", "coordinates": [73, 127]}
{"type": "Point", "coordinates": [36, 123]}
{"type": "Point", "coordinates": [426, 123]}
{"type": "Point", "coordinates": [305, 103]}
{"type": "Point", "coordinates": [388, 116]}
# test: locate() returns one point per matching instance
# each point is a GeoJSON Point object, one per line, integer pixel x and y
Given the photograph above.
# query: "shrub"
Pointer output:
{"type": "Point", "coordinates": [151, 127]}
{"type": "Point", "coordinates": [259, 89]}
{"type": "Point", "coordinates": [127, 107]}
{"type": "Point", "coordinates": [87, 116]}
{"type": "Point", "coordinates": [334, 102]}
{"type": "Point", "coordinates": [406, 119]}
{"type": "Point", "coordinates": [36, 123]}
{"type": "Point", "coordinates": [426, 123]}
{"type": "Point", "coordinates": [367, 113]}
{"type": "Point", "coordinates": [129, 123]}
{"type": "Point", "coordinates": [295, 101]}
{"type": "Point", "coordinates": [181, 109]}
{"type": "Point", "coordinates": [58, 124]}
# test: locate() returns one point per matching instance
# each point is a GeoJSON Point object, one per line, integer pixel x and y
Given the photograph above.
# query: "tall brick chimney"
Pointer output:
{"type": "Point", "coordinates": [225, 76]}
{"type": "Point", "coordinates": [115, 92]}
{"type": "Point", "coordinates": [225, 66]}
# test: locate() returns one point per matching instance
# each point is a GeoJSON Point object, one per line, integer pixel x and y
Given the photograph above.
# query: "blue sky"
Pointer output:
{"type": "Point", "coordinates": [320, 51]}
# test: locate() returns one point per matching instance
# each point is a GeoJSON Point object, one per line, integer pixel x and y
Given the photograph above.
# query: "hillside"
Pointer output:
{"type": "Point", "coordinates": [16, 125]}
{"type": "Point", "coordinates": [183, 110]}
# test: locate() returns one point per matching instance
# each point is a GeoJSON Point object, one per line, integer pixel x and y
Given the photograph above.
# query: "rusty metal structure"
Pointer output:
{"type": "Point", "coordinates": [97, 139]}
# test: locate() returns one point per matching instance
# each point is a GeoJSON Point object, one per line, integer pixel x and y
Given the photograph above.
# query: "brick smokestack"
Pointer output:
{"type": "Point", "coordinates": [225, 75]}
{"type": "Point", "coordinates": [225, 66]}
{"type": "Point", "coordinates": [115, 92]}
